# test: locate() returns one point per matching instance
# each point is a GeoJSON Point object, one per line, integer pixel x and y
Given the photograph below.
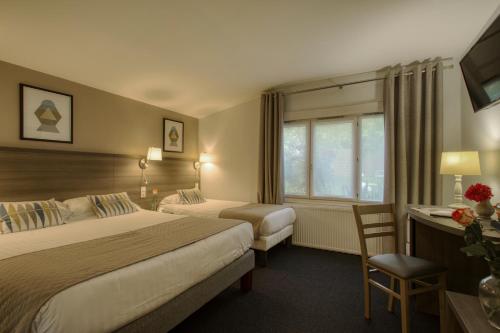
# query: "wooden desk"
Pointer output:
{"type": "Point", "coordinates": [439, 239]}
{"type": "Point", "coordinates": [464, 314]}
{"type": "Point", "coordinates": [444, 223]}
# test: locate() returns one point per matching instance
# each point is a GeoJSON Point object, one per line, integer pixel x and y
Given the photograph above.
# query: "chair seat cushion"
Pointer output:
{"type": "Point", "coordinates": [404, 266]}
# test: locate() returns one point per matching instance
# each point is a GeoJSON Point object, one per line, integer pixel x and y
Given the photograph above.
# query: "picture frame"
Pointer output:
{"type": "Point", "coordinates": [45, 115]}
{"type": "Point", "coordinates": [173, 136]}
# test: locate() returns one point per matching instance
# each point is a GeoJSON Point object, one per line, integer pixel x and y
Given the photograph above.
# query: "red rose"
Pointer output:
{"type": "Point", "coordinates": [478, 192]}
{"type": "Point", "coordinates": [464, 216]}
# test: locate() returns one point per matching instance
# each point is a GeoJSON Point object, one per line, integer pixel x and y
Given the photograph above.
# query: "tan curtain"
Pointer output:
{"type": "Point", "coordinates": [413, 106]}
{"type": "Point", "coordinates": [271, 164]}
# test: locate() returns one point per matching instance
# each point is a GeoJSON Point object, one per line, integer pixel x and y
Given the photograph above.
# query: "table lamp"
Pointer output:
{"type": "Point", "coordinates": [460, 163]}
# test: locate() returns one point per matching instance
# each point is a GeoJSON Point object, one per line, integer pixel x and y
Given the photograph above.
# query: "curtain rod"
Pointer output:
{"type": "Point", "coordinates": [341, 85]}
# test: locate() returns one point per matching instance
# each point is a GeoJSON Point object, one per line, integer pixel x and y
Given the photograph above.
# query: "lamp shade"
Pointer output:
{"type": "Point", "coordinates": [154, 154]}
{"type": "Point", "coordinates": [465, 163]}
{"type": "Point", "coordinates": [205, 158]}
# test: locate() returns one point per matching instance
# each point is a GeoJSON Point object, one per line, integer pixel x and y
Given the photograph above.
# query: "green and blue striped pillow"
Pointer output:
{"type": "Point", "coordinates": [107, 205]}
{"type": "Point", "coordinates": [191, 196]}
{"type": "Point", "coordinates": [28, 215]}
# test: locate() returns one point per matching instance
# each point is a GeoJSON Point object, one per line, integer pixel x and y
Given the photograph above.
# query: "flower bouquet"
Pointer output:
{"type": "Point", "coordinates": [481, 194]}
{"type": "Point", "coordinates": [478, 246]}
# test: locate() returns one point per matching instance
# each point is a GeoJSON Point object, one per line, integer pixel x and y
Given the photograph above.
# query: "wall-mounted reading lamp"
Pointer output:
{"type": "Point", "coordinates": [204, 158]}
{"type": "Point", "coordinates": [154, 154]}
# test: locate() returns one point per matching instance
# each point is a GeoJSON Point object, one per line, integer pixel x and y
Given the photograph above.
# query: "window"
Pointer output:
{"type": "Point", "coordinates": [296, 136]}
{"type": "Point", "coordinates": [333, 158]}
{"type": "Point", "coordinates": [372, 158]}
{"type": "Point", "coordinates": [337, 158]}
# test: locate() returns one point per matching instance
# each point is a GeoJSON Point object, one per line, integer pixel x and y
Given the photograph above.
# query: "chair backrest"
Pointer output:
{"type": "Point", "coordinates": [360, 211]}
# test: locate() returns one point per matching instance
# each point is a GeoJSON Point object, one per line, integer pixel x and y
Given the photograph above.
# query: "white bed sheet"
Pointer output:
{"type": "Point", "coordinates": [108, 302]}
{"type": "Point", "coordinates": [271, 224]}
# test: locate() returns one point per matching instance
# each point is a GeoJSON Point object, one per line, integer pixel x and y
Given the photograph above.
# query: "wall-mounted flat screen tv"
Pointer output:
{"type": "Point", "coordinates": [481, 68]}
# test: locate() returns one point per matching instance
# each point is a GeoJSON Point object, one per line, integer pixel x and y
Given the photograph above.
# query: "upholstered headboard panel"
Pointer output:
{"type": "Point", "coordinates": [30, 174]}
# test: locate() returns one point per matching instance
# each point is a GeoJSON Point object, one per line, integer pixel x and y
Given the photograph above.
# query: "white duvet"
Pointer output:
{"type": "Point", "coordinates": [110, 301]}
{"type": "Point", "coordinates": [271, 224]}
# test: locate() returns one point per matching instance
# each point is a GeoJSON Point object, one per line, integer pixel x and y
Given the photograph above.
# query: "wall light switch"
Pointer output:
{"type": "Point", "coordinates": [143, 192]}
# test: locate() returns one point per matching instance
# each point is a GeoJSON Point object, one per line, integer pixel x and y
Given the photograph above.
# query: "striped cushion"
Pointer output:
{"type": "Point", "coordinates": [28, 215]}
{"type": "Point", "coordinates": [114, 204]}
{"type": "Point", "coordinates": [191, 196]}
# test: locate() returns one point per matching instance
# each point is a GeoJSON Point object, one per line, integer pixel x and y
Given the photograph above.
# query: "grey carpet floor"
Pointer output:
{"type": "Point", "coordinates": [302, 290]}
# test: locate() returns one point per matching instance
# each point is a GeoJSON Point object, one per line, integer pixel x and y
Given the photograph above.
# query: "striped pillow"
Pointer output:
{"type": "Point", "coordinates": [107, 205]}
{"type": "Point", "coordinates": [191, 196]}
{"type": "Point", "coordinates": [28, 215]}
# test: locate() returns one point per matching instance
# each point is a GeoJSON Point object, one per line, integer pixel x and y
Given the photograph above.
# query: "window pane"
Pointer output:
{"type": "Point", "coordinates": [372, 158]}
{"type": "Point", "coordinates": [333, 159]}
{"type": "Point", "coordinates": [295, 158]}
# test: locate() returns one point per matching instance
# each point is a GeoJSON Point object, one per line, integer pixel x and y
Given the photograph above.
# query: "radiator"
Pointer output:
{"type": "Point", "coordinates": [330, 228]}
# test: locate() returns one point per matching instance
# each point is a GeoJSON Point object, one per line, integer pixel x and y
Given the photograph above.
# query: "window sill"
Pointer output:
{"type": "Point", "coordinates": [322, 203]}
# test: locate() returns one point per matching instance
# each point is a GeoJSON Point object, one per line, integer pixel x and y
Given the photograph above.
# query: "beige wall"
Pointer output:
{"type": "Point", "coordinates": [481, 131]}
{"type": "Point", "coordinates": [231, 137]}
{"type": "Point", "coordinates": [103, 122]}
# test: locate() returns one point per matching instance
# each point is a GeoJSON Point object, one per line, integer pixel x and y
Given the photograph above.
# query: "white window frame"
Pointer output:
{"type": "Point", "coordinates": [356, 157]}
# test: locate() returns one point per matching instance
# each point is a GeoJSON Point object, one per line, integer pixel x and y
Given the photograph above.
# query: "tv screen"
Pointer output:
{"type": "Point", "coordinates": [481, 68]}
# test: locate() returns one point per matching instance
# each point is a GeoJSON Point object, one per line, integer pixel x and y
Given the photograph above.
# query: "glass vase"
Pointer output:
{"type": "Point", "coordinates": [489, 295]}
{"type": "Point", "coordinates": [484, 209]}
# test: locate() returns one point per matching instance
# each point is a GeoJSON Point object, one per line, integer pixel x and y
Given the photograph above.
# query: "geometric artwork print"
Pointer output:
{"type": "Point", "coordinates": [173, 135]}
{"type": "Point", "coordinates": [48, 116]}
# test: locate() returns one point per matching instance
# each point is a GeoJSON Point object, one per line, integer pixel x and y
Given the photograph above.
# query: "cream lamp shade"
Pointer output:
{"type": "Point", "coordinates": [460, 163]}
{"type": "Point", "coordinates": [154, 154]}
{"type": "Point", "coordinates": [465, 163]}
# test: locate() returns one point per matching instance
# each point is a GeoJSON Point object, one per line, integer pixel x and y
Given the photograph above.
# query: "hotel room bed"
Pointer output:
{"type": "Point", "coordinates": [275, 227]}
{"type": "Point", "coordinates": [136, 297]}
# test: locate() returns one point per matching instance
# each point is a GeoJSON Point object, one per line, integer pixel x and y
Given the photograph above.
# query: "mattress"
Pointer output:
{"type": "Point", "coordinates": [271, 224]}
{"type": "Point", "coordinates": [107, 302]}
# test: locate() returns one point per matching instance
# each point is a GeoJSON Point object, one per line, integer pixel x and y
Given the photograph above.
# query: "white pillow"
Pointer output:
{"type": "Point", "coordinates": [64, 210]}
{"type": "Point", "coordinates": [172, 199]}
{"type": "Point", "coordinates": [80, 208]}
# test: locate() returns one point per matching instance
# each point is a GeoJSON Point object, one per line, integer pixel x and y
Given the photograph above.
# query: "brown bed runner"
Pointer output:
{"type": "Point", "coordinates": [253, 213]}
{"type": "Point", "coordinates": [28, 281]}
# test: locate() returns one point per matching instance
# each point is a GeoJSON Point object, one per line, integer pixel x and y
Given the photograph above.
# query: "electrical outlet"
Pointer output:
{"type": "Point", "coordinates": [143, 192]}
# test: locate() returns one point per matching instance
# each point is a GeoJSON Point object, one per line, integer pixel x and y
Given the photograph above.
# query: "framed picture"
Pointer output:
{"type": "Point", "coordinates": [173, 136]}
{"type": "Point", "coordinates": [46, 115]}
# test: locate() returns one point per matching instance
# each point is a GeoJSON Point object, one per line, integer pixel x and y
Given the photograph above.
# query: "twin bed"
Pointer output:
{"type": "Point", "coordinates": [149, 292]}
{"type": "Point", "coordinates": [274, 223]}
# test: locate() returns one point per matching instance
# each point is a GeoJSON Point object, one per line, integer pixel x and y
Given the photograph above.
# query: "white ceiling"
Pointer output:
{"type": "Point", "coordinates": [201, 56]}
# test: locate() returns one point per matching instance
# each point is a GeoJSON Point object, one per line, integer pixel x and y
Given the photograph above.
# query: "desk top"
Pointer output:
{"type": "Point", "coordinates": [422, 215]}
{"type": "Point", "coordinates": [468, 313]}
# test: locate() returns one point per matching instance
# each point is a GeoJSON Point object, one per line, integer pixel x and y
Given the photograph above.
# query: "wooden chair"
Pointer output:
{"type": "Point", "coordinates": [408, 271]}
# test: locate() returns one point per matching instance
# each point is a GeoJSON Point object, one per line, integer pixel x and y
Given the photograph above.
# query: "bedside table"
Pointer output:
{"type": "Point", "coordinates": [464, 314]}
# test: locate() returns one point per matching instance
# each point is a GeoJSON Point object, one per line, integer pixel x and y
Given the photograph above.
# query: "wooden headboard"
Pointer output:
{"type": "Point", "coordinates": [35, 174]}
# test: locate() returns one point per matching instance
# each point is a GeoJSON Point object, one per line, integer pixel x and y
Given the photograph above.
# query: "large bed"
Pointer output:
{"type": "Point", "coordinates": [276, 226]}
{"type": "Point", "coordinates": [150, 295]}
